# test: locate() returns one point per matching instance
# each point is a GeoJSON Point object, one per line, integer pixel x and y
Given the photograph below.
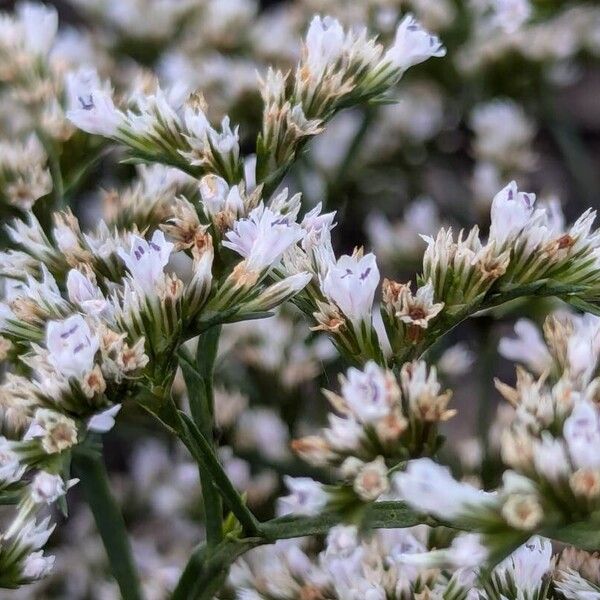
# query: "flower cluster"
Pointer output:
{"type": "Point", "coordinates": [23, 174]}
{"type": "Point", "coordinates": [27, 38]}
{"type": "Point", "coordinates": [338, 69]}
{"type": "Point", "coordinates": [527, 252]}
{"type": "Point", "coordinates": [552, 439]}
{"type": "Point", "coordinates": [397, 564]}
{"type": "Point", "coordinates": [31, 482]}
{"type": "Point", "coordinates": [381, 422]}
{"type": "Point", "coordinates": [209, 289]}
{"type": "Point", "coordinates": [549, 443]}
{"type": "Point", "coordinates": [349, 566]}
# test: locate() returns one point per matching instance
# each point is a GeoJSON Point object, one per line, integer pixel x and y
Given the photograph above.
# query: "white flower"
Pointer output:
{"type": "Point", "coordinates": [31, 534]}
{"type": "Point", "coordinates": [90, 105]}
{"type": "Point", "coordinates": [584, 346]}
{"type": "Point", "coordinates": [343, 434]}
{"type": "Point", "coordinates": [57, 432]}
{"type": "Point", "coordinates": [511, 211]}
{"type": "Point", "coordinates": [503, 135]}
{"type": "Point", "coordinates": [105, 420]}
{"type": "Point", "coordinates": [46, 488]}
{"type": "Point", "coordinates": [582, 434]}
{"type": "Point", "coordinates": [413, 45]}
{"type": "Point", "coordinates": [367, 392]}
{"type": "Point", "coordinates": [11, 469]}
{"type": "Point", "coordinates": [71, 346]}
{"type": "Point", "coordinates": [525, 568]}
{"type": "Point", "coordinates": [422, 392]}
{"type": "Point", "coordinates": [527, 348]}
{"type": "Point", "coordinates": [456, 360]}
{"type": "Point", "coordinates": [419, 309]}
{"type": "Point", "coordinates": [316, 226]}
{"type": "Point", "coordinates": [514, 483]}
{"type": "Point", "coordinates": [226, 141]}
{"type": "Point", "coordinates": [371, 480]}
{"type": "Point", "coordinates": [307, 497]}
{"type": "Point", "coordinates": [429, 487]}
{"type": "Point", "coordinates": [574, 586]}
{"type": "Point", "coordinates": [217, 196]}
{"type": "Point", "coordinates": [65, 238]}
{"type": "Point", "coordinates": [350, 284]}
{"type": "Point", "coordinates": [250, 172]}
{"type": "Point", "coordinates": [278, 292]}
{"type": "Point", "coordinates": [263, 237]}
{"type": "Point", "coordinates": [324, 44]}
{"type": "Point", "coordinates": [85, 293]}
{"type": "Point", "coordinates": [36, 565]}
{"type": "Point", "coordinates": [550, 458]}
{"type": "Point", "coordinates": [357, 587]}
{"type": "Point", "coordinates": [147, 259]}
{"type": "Point", "coordinates": [466, 551]}
{"type": "Point", "coordinates": [342, 540]}
{"type": "Point", "coordinates": [40, 24]}
{"type": "Point", "coordinates": [196, 123]}
{"type": "Point", "coordinates": [511, 14]}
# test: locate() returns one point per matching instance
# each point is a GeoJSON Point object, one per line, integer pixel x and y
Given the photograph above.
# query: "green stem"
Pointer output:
{"type": "Point", "coordinates": [379, 515]}
{"type": "Point", "coordinates": [206, 571]}
{"type": "Point", "coordinates": [199, 383]}
{"type": "Point", "coordinates": [54, 167]}
{"type": "Point", "coordinates": [89, 467]}
{"type": "Point", "coordinates": [203, 454]}
{"type": "Point", "coordinates": [10, 498]}
{"type": "Point", "coordinates": [332, 199]}
{"type": "Point", "coordinates": [57, 180]}
{"type": "Point", "coordinates": [487, 352]}
{"type": "Point", "coordinates": [158, 403]}
{"type": "Point", "coordinates": [583, 535]}
{"type": "Point", "coordinates": [78, 178]}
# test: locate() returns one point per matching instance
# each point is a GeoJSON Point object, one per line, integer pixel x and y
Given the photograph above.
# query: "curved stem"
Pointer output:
{"type": "Point", "coordinates": [206, 570]}
{"type": "Point", "coordinates": [180, 424]}
{"type": "Point", "coordinates": [204, 455]}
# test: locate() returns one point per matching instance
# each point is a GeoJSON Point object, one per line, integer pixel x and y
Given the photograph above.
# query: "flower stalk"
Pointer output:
{"type": "Point", "coordinates": [206, 569]}
{"type": "Point", "coordinates": [199, 382]}
{"type": "Point", "coordinates": [202, 452]}
{"type": "Point", "coordinates": [89, 466]}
